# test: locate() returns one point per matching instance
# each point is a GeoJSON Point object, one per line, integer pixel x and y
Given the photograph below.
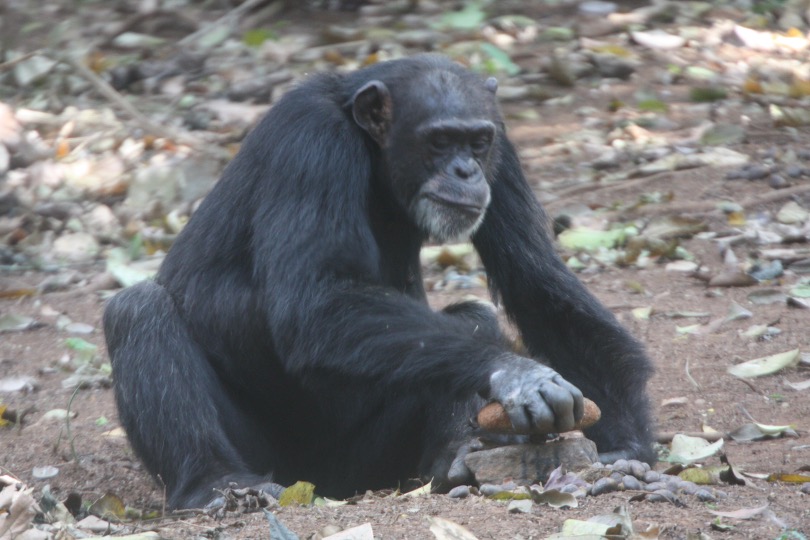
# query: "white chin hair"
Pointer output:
{"type": "Point", "coordinates": [443, 224]}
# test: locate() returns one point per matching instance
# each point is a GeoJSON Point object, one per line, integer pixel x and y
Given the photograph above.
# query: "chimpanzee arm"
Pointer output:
{"type": "Point", "coordinates": [559, 320]}
{"type": "Point", "coordinates": [371, 336]}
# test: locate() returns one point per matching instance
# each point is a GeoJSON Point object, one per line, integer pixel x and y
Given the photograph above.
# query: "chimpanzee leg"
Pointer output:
{"type": "Point", "coordinates": [179, 418]}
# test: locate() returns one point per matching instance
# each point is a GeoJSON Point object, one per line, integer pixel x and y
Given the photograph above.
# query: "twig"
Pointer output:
{"type": "Point", "coordinates": [5, 66]}
{"type": "Point", "coordinates": [689, 376]}
{"type": "Point", "coordinates": [750, 385]}
{"type": "Point", "coordinates": [67, 425]}
{"type": "Point", "coordinates": [710, 206]}
{"type": "Point", "coordinates": [572, 191]}
{"type": "Point", "coordinates": [104, 88]}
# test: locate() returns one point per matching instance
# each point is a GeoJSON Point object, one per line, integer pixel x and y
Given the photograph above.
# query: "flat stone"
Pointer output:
{"type": "Point", "coordinates": [527, 464]}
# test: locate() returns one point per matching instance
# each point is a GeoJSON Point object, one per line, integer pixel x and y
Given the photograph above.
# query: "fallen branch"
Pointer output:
{"type": "Point", "coordinates": [111, 94]}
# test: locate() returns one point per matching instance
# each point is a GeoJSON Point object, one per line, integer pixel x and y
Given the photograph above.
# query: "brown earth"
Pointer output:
{"type": "Point", "coordinates": [92, 463]}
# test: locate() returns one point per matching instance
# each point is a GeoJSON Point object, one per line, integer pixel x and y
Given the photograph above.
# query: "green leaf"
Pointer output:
{"type": "Point", "coordinates": [468, 18]}
{"type": "Point", "coordinates": [500, 60]}
{"type": "Point", "coordinates": [582, 239]}
{"type": "Point", "coordinates": [300, 493]}
{"type": "Point", "coordinates": [256, 36]}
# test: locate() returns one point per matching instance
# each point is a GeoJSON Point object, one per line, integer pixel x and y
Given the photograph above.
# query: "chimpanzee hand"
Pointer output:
{"type": "Point", "coordinates": [536, 398]}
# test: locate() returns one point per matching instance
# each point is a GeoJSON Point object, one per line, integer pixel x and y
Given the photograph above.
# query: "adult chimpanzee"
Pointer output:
{"type": "Point", "coordinates": [287, 337]}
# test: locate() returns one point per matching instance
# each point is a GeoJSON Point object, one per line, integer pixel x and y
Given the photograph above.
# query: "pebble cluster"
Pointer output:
{"type": "Point", "coordinates": [632, 475]}
{"type": "Point", "coordinates": [623, 475]}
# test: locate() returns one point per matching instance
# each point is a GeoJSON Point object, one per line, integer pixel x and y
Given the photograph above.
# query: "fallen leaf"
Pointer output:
{"type": "Point", "coordinates": [742, 513]}
{"type": "Point", "coordinates": [108, 507]}
{"type": "Point", "coordinates": [444, 529]}
{"type": "Point", "coordinates": [423, 491]}
{"type": "Point", "coordinates": [583, 239]}
{"type": "Point", "coordinates": [361, 532]}
{"type": "Point", "coordinates": [300, 493]}
{"type": "Point", "coordinates": [789, 478]}
{"type": "Point", "coordinates": [687, 450]}
{"type": "Point", "coordinates": [554, 498]}
{"type": "Point", "coordinates": [15, 323]}
{"type": "Point", "coordinates": [804, 385]}
{"type": "Point", "coordinates": [766, 365]}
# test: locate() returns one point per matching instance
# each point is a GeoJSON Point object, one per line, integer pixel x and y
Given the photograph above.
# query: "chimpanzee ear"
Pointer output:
{"type": "Point", "coordinates": [372, 110]}
{"type": "Point", "coordinates": [491, 84]}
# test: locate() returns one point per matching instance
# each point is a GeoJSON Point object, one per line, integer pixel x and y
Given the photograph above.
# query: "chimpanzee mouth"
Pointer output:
{"type": "Point", "coordinates": [472, 209]}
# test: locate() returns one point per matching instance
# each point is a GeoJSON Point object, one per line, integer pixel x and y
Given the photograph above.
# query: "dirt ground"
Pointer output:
{"type": "Point", "coordinates": [94, 458]}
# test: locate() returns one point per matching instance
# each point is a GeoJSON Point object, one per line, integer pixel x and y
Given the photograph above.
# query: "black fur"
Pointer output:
{"type": "Point", "coordinates": [286, 336]}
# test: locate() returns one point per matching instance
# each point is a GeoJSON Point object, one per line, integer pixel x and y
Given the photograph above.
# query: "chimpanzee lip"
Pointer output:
{"type": "Point", "coordinates": [467, 207]}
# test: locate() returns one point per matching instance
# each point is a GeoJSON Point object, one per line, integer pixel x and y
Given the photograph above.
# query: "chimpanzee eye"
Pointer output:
{"type": "Point", "coordinates": [481, 144]}
{"type": "Point", "coordinates": [440, 142]}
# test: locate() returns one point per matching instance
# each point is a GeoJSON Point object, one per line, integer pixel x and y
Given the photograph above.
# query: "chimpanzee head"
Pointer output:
{"type": "Point", "coordinates": [436, 131]}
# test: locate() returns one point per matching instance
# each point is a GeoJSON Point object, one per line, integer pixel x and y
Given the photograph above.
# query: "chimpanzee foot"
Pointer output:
{"type": "Point", "coordinates": [245, 499]}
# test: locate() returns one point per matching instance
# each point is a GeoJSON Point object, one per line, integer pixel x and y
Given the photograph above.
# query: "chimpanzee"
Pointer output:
{"type": "Point", "coordinates": [287, 335]}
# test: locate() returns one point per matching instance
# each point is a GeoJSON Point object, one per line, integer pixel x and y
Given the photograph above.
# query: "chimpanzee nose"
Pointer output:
{"type": "Point", "coordinates": [464, 168]}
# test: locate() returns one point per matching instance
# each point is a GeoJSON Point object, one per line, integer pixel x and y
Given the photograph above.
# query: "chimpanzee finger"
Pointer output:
{"type": "Point", "coordinates": [518, 415]}
{"type": "Point", "coordinates": [561, 403]}
{"type": "Point", "coordinates": [576, 394]}
{"type": "Point", "coordinates": [541, 415]}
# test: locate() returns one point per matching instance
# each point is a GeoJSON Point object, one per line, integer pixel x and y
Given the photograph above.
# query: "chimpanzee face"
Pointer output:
{"type": "Point", "coordinates": [437, 149]}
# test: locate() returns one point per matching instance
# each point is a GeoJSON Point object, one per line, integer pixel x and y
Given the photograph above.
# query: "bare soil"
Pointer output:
{"type": "Point", "coordinates": [92, 462]}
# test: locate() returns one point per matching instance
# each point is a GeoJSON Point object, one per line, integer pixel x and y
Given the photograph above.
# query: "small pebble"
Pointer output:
{"type": "Point", "coordinates": [690, 488]}
{"type": "Point", "coordinates": [705, 495]}
{"type": "Point", "coordinates": [622, 466]}
{"type": "Point", "coordinates": [652, 476]}
{"type": "Point", "coordinates": [756, 172]}
{"type": "Point", "coordinates": [488, 490]}
{"type": "Point", "coordinates": [655, 486]}
{"type": "Point", "coordinates": [720, 494]}
{"type": "Point", "coordinates": [793, 171]}
{"type": "Point", "coordinates": [569, 488]}
{"type": "Point", "coordinates": [604, 485]}
{"type": "Point", "coordinates": [674, 484]}
{"type": "Point", "coordinates": [617, 476]}
{"type": "Point", "coordinates": [632, 483]}
{"type": "Point", "coordinates": [459, 492]}
{"type": "Point", "coordinates": [777, 181]}
{"type": "Point", "coordinates": [805, 488]}
{"type": "Point", "coordinates": [638, 469]}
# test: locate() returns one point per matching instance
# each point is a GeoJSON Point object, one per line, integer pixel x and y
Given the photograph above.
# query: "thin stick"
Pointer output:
{"type": "Point", "coordinates": [710, 206]}
{"type": "Point", "coordinates": [5, 66]}
{"type": "Point", "coordinates": [689, 376]}
{"type": "Point", "coordinates": [67, 424]}
{"type": "Point", "coordinates": [104, 88]}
